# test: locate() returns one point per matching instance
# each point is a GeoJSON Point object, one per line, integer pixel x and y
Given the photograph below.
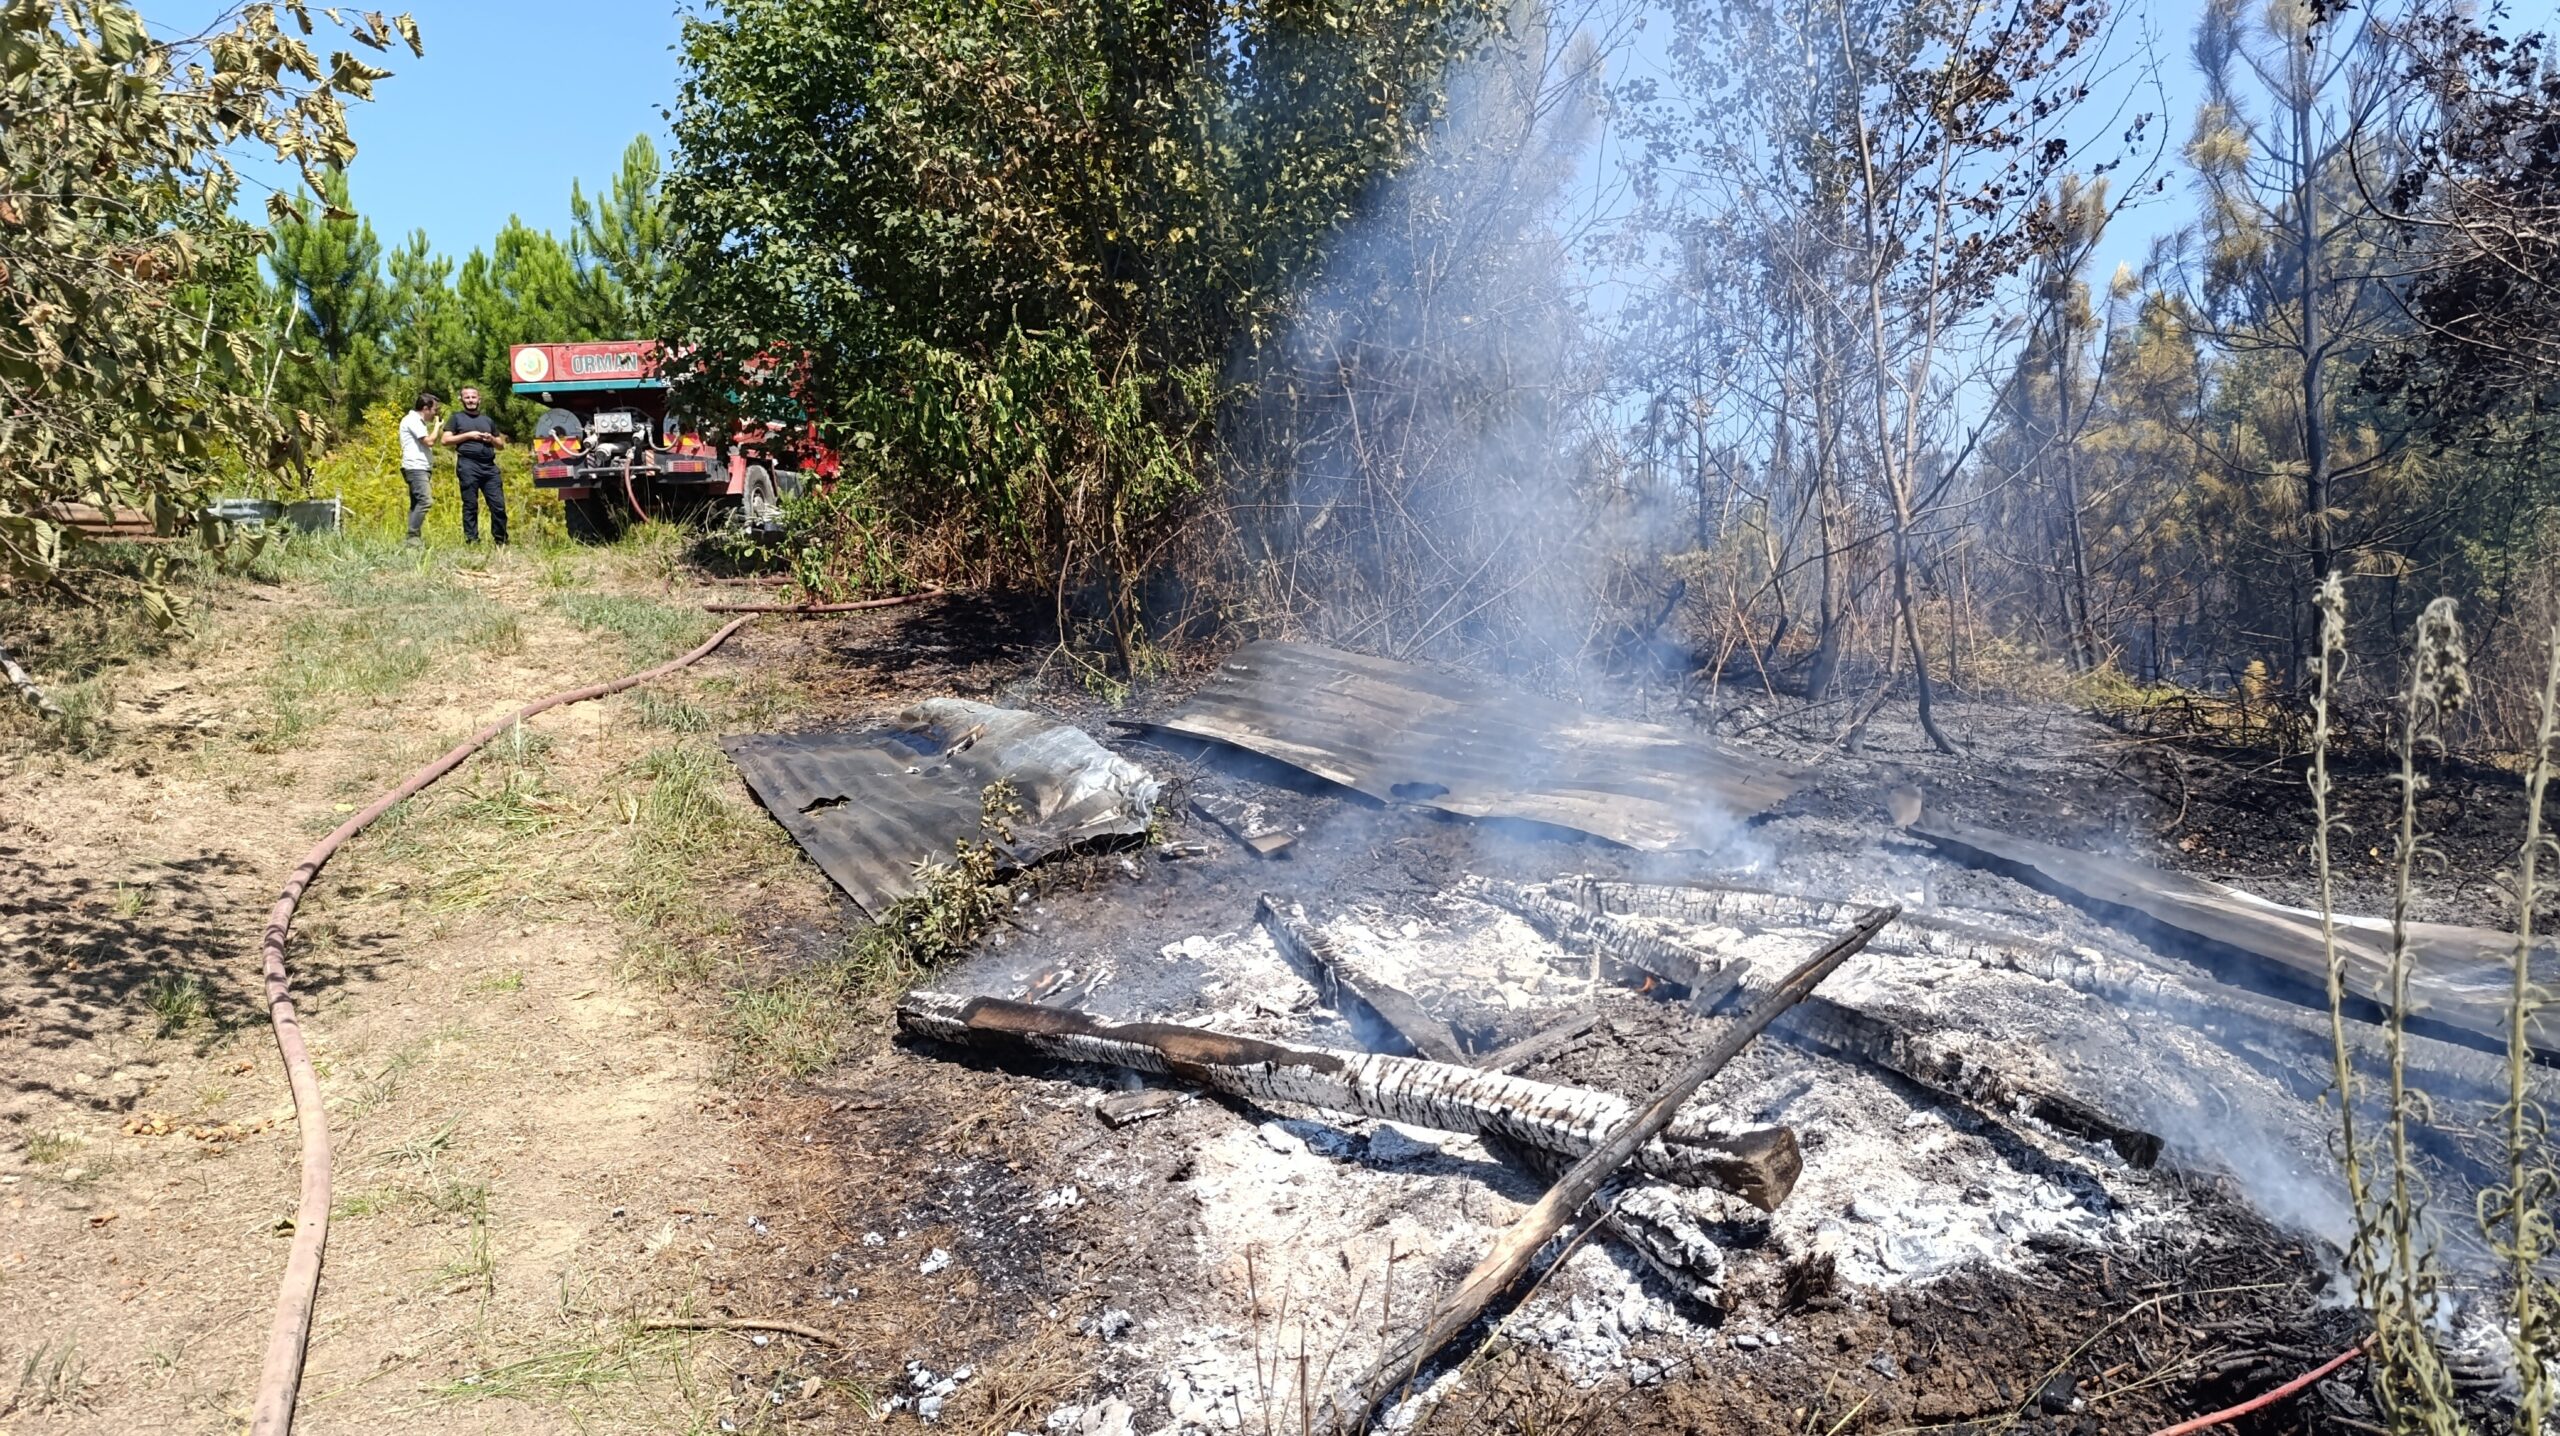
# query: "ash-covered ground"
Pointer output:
{"type": "Point", "coordinates": [1031, 1266]}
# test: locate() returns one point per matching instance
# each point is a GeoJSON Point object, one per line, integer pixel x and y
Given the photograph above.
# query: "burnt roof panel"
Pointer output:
{"type": "Point", "coordinates": [1401, 733]}
{"type": "Point", "coordinates": [867, 805]}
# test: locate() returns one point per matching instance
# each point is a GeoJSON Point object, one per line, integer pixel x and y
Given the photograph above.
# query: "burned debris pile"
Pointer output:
{"type": "Point", "coordinates": [1419, 1040]}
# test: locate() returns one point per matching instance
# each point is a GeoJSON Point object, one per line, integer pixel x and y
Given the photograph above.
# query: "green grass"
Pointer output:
{"type": "Point", "coordinates": [511, 980]}
{"type": "Point", "coordinates": [371, 1202]}
{"type": "Point", "coordinates": [83, 724]}
{"type": "Point", "coordinates": [423, 1148]}
{"type": "Point", "coordinates": [554, 1374]}
{"type": "Point", "coordinates": [651, 632]}
{"type": "Point", "coordinates": [45, 1149]}
{"type": "Point", "coordinates": [383, 628]}
{"type": "Point", "coordinates": [668, 713]}
{"type": "Point", "coordinates": [178, 1001]}
{"type": "Point", "coordinates": [50, 1378]}
{"type": "Point", "coordinates": [476, 1268]}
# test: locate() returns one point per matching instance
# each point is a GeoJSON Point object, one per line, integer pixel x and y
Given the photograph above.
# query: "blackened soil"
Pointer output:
{"type": "Point", "coordinates": [2082, 1344]}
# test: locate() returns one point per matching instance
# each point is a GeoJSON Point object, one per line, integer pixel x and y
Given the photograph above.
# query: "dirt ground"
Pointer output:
{"type": "Point", "coordinates": [571, 1117]}
{"type": "Point", "coordinates": [541, 1145]}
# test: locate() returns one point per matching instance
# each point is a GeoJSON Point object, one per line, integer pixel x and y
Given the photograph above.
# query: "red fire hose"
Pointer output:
{"type": "Point", "coordinates": [2255, 1403]}
{"type": "Point", "coordinates": [281, 1380]}
{"type": "Point", "coordinates": [630, 493]}
{"type": "Point", "coordinates": [818, 607]}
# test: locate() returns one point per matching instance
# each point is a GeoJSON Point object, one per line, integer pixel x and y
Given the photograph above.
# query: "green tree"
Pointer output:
{"type": "Point", "coordinates": [2294, 284]}
{"type": "Point", "coordinates": [328, 269]}
{"type": "Point", "coordinates": [620, 242]}
{"type": "Point", "coordinates": [121, 372]}
{"type": "Point", "coordinates": [428, 336]}
{"type": "Point", "coordinates": [1003, 252]}
{"type": "Point", "coordinates": [523, 289]}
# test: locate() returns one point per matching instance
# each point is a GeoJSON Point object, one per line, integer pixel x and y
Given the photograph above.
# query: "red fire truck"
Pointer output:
{"type": "Point", "coordinates": [607, 443]}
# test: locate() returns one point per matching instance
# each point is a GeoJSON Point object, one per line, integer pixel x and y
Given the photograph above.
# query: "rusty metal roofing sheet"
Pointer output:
{"type": "Point", "coordinates": [2459, 975]}
{"type": "Point", "coordinates": [1405, 734]}
{"type": "Point", "coordinates": [868, 805]}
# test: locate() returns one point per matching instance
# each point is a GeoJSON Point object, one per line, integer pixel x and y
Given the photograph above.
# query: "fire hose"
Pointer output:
{"type": "Point", "coordinates": [2260, 1402]}
{"type": "Point", "coordinates": [290, 1336]}
{"type": "Point", "coordinates": [631, 494]}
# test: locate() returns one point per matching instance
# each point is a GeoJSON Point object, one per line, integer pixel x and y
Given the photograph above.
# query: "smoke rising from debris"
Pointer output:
{"type": "Point", "coordinates": [1426, 450]}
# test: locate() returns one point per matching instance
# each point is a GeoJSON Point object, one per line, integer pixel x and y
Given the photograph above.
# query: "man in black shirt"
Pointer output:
{"type": "Point", "coordinates": [476, 441]}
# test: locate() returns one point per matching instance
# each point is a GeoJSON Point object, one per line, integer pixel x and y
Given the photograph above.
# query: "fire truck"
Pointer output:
{"type": "Point", "coordinates": [607, 443]}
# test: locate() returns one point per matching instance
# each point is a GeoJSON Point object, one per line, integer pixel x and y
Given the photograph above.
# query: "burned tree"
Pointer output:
{"type": "Point", "coordinates": [1879, 169]}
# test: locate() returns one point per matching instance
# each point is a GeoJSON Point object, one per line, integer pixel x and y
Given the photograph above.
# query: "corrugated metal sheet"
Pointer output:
{"type": "Point", "coordinates": [1403, 734]}
{"type": "Point", "coordinates": [2458, 977]}
{"type": "Point", "coordinates": [868, 805]}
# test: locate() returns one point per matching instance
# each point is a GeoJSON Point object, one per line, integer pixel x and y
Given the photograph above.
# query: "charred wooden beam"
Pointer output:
{"type": "Point", "coordinates": [1643, 1215]}
{"type": "Point", "coordinates": [1947, 1065]}
{"type": "Point", "coordinates": [1246, 821]}
{"type": "Point", "coordinates": [1314, 954]}
{"type": "Point", "coordinates": [1537, 1045]}
{"type": "Point", "coordinates": [1934, 1060]}
{"type": "Point", "coordinates": [1709, 979]}
{"type": "Point", "coordinates": [1759, 1164]}
{"type": "Point", "coordinates": [1512, 1252]}
{"type": "Point", "coordinates": [2447, 1067]}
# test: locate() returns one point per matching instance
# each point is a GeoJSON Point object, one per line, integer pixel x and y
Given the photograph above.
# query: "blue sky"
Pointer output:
{"type": "Point", "coordinates": [515, 98]}
{"type": "Point", "coordinates": [511, 102]}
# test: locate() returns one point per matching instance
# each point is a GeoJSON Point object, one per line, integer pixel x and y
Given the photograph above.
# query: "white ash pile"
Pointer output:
{"type": "Point", "coordinates": [1316, 1232]}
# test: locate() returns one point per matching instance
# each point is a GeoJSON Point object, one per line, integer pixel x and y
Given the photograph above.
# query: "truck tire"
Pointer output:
{"type": "Point", "coordinates": [760, 500]}
{"type": "Point", "coordinates": [592, 518]}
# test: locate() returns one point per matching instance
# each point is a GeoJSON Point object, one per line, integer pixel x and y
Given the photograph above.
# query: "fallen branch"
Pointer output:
{"type": "Point", "coordinates": [1517, 1247]}
{"type": "Point", "coordinates": [738, 1323]}
{"type": "Point", "coordinates": [1645, 1216]}
{"type": "Point", "coordinates": [26, 686]}
{"type": "Point", "coordinates": [1757, 1164]}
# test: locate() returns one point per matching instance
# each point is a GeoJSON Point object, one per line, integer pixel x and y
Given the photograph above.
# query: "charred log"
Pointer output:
{"type": "Point", "coordinates": [1646, 1216]}
{"type": "Point", "coordinates": [1757, 1164]}
{"type": "Point", "coordinates": [1579, 927]}
{"type": "Point", "coordinates": [1945, 1064]}
{"type": "Point", "coordinates": [2234, 1013]}
{"type": "Point", "coordinates": [1516, 1248]}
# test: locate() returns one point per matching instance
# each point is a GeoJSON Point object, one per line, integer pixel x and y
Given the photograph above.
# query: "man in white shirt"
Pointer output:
{"type": "Point", "coordinates": [419, 434]}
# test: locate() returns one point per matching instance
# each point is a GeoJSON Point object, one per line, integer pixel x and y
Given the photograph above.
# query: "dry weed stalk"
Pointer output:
{"type": "Point", "coordinates": [2517, 1216]}
{"type": "Point", "coordinates": [2390, 1257]}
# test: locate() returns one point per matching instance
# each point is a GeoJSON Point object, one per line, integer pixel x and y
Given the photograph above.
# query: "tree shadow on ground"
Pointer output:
{"type": "Point", "coordinates": [84, 959]}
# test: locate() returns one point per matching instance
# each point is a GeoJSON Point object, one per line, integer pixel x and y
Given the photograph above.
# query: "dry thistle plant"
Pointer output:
{"type": "Point", "coordinates": [2516, 1215]}
{"type": "Point", "coordinates": [2390, 1255]}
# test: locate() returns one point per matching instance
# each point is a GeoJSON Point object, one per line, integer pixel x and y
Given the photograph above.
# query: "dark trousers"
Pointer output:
{"type": "Point", "coordinates": [419, 497]}
{"type": "Point", "coordinates": [478, 484]}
